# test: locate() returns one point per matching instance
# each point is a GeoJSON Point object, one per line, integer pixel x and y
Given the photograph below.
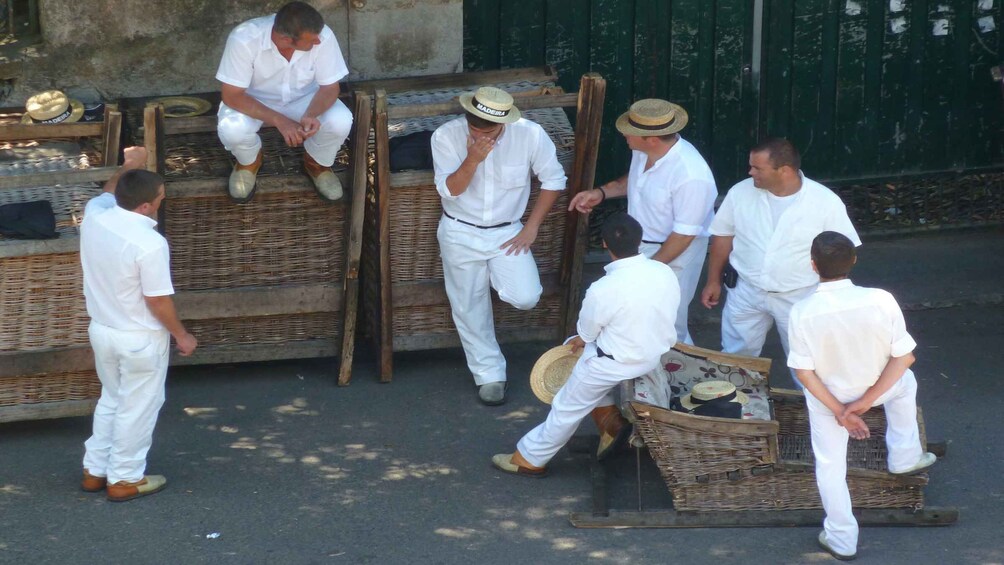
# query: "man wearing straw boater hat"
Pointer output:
{"type": "Point", "coordinates": [851, 350]}
{"type": "Point", "coordinates": [483, 161]}
{"type": "Point", "coordinates": [127, 290]}
{"type": "Point", "coordinates": [670, 191]}
{"type": "Point", "coordinates": [764, 228]}
{"type": "Point", "coordinates": [283, 70]}
{"type": "Point", "coordinates": [624, 327]}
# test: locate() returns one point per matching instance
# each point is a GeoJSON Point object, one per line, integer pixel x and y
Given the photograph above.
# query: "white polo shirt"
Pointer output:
{"type": "Point", "coordinates": [123, 259]}
{"type": "Point", "coordinates": [776, 259]}
{"type": "Point", "coordinates": [500, 187]}
{"type": "Point", "coordinates": [251, 61]}
{"type": "Point", "coordinates": [631, 311]}
{"type": "Point", "coordinates": [847, 334]}
{"type": "Point", "coordinates": [677, 194]}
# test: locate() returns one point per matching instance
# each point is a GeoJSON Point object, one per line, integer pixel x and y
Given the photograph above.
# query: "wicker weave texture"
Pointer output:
{"type": "Point", "coordinates": [277, 238]}
{"type": "Point", "coordinates": [266, 330]}
{"type": "Point", "coordinates": [49, 387]}
{"type": "Point", "coordinates": [42, 300]}
{"type": "Point", "coordinates": [438, 319]}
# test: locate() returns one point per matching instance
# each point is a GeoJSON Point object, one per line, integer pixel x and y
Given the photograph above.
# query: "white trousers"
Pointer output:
{"type": "Point", "coordinates": [472, 264]}
{"type": "Point", "coordinates": [591, 384]}
{"type": "Point", "coordinates": [239, 132]}
{"type": "Point", "coordinates": [829, 445]}
{"type": "Point", "coordinates": [687, 267]}
{"type": "Point", "coordinates": [749, 314]}
{"type": "Point", "coordinates": [132, 367]}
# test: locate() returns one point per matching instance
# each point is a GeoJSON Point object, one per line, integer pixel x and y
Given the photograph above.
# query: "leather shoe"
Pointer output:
{"type": "Point", "coordinates": [242, 180]}
{"type": "Point", "coordinates": [823, 543]}
{"type": "Point", "coordinates": [325, 181]}
{"type": "Point", "coordinates": [492, 394]}
{"type": "Point", "coordinates": [614, 430]}
{"type": "Point", "coordinates": [149, 484]}
{"type": "Point", "coordinates": [514, 464]}
{"type": "Point", "coordinates": [92, 483]}
{"type": "Point", "coordinates": [925, 461]}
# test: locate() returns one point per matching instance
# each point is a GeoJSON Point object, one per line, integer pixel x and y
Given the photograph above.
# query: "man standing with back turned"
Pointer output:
{"type": "Point", "coordinates": [127, 288]}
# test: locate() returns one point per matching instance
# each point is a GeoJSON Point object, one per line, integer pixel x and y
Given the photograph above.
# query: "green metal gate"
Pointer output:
{"type": "Point", "coordinates": [866, 89]}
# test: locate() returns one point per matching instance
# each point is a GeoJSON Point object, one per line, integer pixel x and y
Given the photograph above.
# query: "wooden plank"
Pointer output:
{"type": "Point", "coordinates": [23, 248]}
{"type": "Point", "coordinates": [19, 363]}
{"type": "Point", "coordinates": [385, 325]}
{"type": "Point", "coordinates": [151, 137]}
{"type": "Point", "coordinates": [930, 516]}
{"type": "Point", "coordinates": [567, 44]}
{"type": "Point", "coordinates": [245, 353]}
{"type": "Point", "coordinates": [504, 335]}
{"type": "Point", "coordinates": [702, 113]}
{"type": "Point", "coordinates": [257, 301]}
{"type": "Point", "coordinates": [611, 54]}
{"type": "Point", "coordinates": [453, 106]}
{"type": "Point", "coordinates": [849, 140]}
{"type": "Point", "coordinates": [18, 132]}
{"type": "Point", "coordinates": [111, 136]}
{"type": "Point", "coordinates": [730, 138]}
{"type": "Point", "coordinates": [432, 293]}
{"type": "Point", "coordinates": [522, 33]}
{"type": "Point", "coordinates": [47, 410]}
{"type": "Point", "coordinates": [777, 63]}
{"type": "Point", "coordinates": [53, 178]}
{"type": "Point", "coordinates": [360, 172]}
{"type": "Point", "coordinates": [808, 81]}
{"type": "Point", "coordinates": [758, 364]}
{"type": "Point", "coordinates": [896, 69]}
{"type": "Point", "coordinates": [481, 35]}
{"type": "Point", "coordinates": [868, 155]}
{"type": "Point", "coordinates": [985, 126]}
{"type": "Point", "coordinates": [651, 49]}
{"type": "Point", "coordinates": [455, 80]}
{"type": "Point", "coordinates": [266, 184]}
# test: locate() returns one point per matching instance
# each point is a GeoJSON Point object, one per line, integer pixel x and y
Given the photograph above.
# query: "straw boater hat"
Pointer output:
{"type": "Point", "coordinates": [492, 104]}
{"type": "Point", "coordinates": [52, 107]}
{"type": "Point", "coordinates": [551, 371]}
{"type": "Point", "coordinates": [182, 106]}
{"type": "Point", "coordinates": [705, 392]}
{"type": "Point", "coordinates": [651, 117]}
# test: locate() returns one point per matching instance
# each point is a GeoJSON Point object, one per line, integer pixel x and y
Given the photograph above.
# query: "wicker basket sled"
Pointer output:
{"type": "Point", "coordinates": [728, 473]}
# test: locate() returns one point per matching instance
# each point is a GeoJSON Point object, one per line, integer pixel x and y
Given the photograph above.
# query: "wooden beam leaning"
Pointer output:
{"type": "Point", "coordinates": [152, 138]}
{"type": "Point", "coordinates": [360, 168]}
{"type": "Point", "coordinates": [386, 323]}
{"type": "Point", "coordinates": [111, 136]}
{"type": "Point", "coordinates": [588, 122]}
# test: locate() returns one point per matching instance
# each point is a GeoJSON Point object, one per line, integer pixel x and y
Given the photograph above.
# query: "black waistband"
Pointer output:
{"type": "Point", "coordinates": [655, 242]}
{"type": "Point", "coordinates": [465, 222]}
{"type": "Point", "coordinates": [601, 353]}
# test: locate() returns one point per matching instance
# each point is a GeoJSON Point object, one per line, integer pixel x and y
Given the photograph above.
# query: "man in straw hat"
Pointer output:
{"type": "Point", "coordinates": [127, 289]}
{"type": "Point", "coordinates": [670, 191]}
{"type": "Point", "coordinates": [625, 325]}
{"type": "Point", "coordinates": [764, 228]}
{"type": "Point", "coordinates": [283, 70]}
{"type": "Point", "coordinates": [851, 350]}
{"type": "Point", "coordinates": [483, 162]}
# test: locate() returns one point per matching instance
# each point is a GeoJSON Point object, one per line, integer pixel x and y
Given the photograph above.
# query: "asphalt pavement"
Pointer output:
{"type": "Point", "coordinates": [273, 463]}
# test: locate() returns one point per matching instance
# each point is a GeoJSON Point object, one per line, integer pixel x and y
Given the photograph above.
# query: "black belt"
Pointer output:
{"type": "Point", "coordinates": [502, 225]}
{"type": "Point", "coordinates": [655, 242]}
{"type": "Point", "coordinates": [601, 353]}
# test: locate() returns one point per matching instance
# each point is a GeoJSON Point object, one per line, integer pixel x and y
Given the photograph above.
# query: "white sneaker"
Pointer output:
{"type": "Point", "coordinates": [925, 461]}
{"type": "Point", "coordinates": [825, 544]}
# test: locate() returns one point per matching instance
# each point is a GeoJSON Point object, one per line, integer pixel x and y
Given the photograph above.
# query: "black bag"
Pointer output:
{"type": "Point", "coordinates": [28, 220]}
{"type": "Point", "coordinates": [412, 151]}
{"type": "Point", "coordinates": [729, 276]}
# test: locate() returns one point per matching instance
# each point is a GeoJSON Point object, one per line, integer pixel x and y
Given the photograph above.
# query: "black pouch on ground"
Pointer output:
{"type": "Point", "coordinates": [28, 220]}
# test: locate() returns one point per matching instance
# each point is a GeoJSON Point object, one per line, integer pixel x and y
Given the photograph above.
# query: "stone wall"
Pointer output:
{"type": "Point", "coordinates": [124, 48]}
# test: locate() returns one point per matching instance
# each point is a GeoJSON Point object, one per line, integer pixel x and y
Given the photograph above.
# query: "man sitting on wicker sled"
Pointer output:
{"type": "Point", "coordinates": [626, 323]}
{"type": "Point", "coordinates": [851, 351]}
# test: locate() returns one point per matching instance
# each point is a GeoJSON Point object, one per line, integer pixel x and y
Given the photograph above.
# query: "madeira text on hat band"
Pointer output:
{"type": "Point", "coordinates": [490, 111]}
{"type": "Point", "coordinates": [728, 397]}
{"type": "Point", "coordinates": [651, 128]}
{"type": "Point", "coordinates": [59, 118]}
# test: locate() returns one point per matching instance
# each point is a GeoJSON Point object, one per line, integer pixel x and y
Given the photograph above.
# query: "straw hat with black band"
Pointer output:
{"type": "Point", "coordinates": [652, 117]}
{"type": "Point", "coordinates": [551, 371]}
{"type": "Point", "coordinates": [52, 107]}
{"type": "Point", "coordinates": [712, 391]}
{"type": "Point", "coordinates": [492, 104]}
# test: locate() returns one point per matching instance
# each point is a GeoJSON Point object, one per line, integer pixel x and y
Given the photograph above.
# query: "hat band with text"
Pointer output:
{"type": "Point", "coordinates": [727, 398]}
{"type": "Point", "coordinates": [651, 128]}
{"type": "Point", "coordinates": [490, 111]}
{"type": "Point", "coordinates": [56, 119]}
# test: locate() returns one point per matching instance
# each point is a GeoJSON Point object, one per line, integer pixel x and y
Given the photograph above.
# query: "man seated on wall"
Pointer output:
{"type": "Point", "coordinates": [283, 70]}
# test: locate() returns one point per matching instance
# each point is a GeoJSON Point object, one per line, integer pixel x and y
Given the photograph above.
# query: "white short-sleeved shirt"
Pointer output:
{"type": "Point", "coordinates": [776, 259]}
{"type": "Point", "coordinates": [631, 311]}
{"type": "Point", "coordinates": [500, 187]}
{"type": "Point", "coordinates": [847, 334]}
{"type": "Point", "coordinates": [677, 194]}
{"type": "Point", "coordinates": [251, 61]}
{"type": "Point", "coordinates": [124, 259]}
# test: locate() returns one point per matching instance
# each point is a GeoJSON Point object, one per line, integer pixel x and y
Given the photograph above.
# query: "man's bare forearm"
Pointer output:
{"type": "Point", "coordinates": [616, 188]}
{"type": "Point", "coordinates": [545, 201]}
{"type": "Point", "coordinates": [323, 99]}
{"type": "Point", "coordinates": [673, 247]}
{"type": "Point", "coordinates": [162, 308]}
{"type": "Point", "coordinates": [248, 105]}
{"type": "Point", "coordinates": [721, 248]}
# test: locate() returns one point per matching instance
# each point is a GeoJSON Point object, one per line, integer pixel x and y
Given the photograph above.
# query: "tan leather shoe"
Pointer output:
{"type": "Point", "coordinates": [515, 464]}
{"type": "Point", "coordinates": [925, 461]}
{"type": "Point", "coordinates": [243, 179]}
{"type": "Point", "coordinates": [92, 483]}
{"type": "Point", "coordinates": [825, 544]}
{"type": "Point", "coordinates": [325, 181]}
{"type": "Point", "coordinates": [614, 430]}
{"type": "Point", "coordinates": [149, 484]}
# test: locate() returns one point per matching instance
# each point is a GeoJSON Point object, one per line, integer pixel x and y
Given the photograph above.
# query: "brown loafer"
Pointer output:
{"type": "Point", "coordinates": [243, 179]}
{"type": "Point", "coordinates": [123, 491]}
{"type": "Point", "coordinates": [514, 463]}
{"type": "Point", "coordinates": [614, 430]}
{"type": "Point", "coordinates": [325, 181]}
{"type": "Point", "coordinates": [92, 483]}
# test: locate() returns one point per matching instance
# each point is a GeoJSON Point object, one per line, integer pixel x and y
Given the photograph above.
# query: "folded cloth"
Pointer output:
{"type": "Point", "coordinates": [28, 220]}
